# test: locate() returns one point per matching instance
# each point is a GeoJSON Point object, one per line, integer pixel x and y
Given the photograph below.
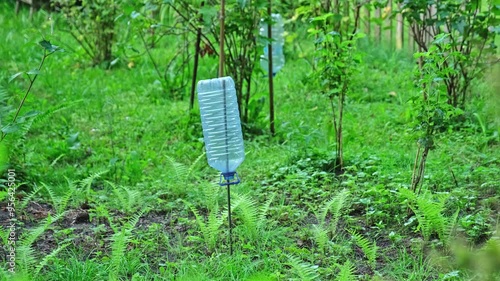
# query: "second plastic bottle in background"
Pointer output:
{"type": "Point", "coordinates": [277, 33]}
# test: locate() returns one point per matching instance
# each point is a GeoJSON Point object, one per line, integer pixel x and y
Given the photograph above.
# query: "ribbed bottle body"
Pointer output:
{"type": "Point", "coordinates": [220, 120]}
{"type": "Point", "coordinates": [278, 42]}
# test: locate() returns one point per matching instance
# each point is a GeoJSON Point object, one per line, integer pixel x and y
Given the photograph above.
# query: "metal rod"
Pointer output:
{"type": "Point", "coordinates": [229, 217]}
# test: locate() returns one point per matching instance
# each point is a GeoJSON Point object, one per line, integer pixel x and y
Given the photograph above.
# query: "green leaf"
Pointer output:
{"type": "Point", "coordinates": [10, 128]}
{"type": "Point", "coordinates": [15, 76]}
{"type": "Point", "coordinates": [33, 71]}
{"type": "Point", "coordinates": [48, 46]}
{"type": "Point", "coordinates": [322, 17]}
{"type": "Point", "coordinates": [30, 114]}
{"type": "Point", "coordinates": [440, 38]}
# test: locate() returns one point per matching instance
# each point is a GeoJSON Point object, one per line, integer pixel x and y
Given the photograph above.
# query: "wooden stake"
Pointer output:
{"type": "Point", "coordinates": [196, 57]}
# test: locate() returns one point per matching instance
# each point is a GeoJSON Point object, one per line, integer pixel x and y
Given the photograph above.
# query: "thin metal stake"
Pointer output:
{"type": "Point", "coordinates": [229, 217]}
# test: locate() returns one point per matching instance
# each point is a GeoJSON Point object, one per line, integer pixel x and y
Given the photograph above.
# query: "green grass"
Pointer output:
{"type": "Point", "coordinates": [118, 145]}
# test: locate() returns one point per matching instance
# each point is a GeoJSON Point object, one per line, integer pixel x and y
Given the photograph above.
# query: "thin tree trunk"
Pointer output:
{"type": "Point", "coordinates": [378, 28]}
{"type": "Point", "coordinates": [399, 30]}
{"type": "Point", "coordinates": [367, 22]}
{"type": "Point", "coordinates": [388, 22]}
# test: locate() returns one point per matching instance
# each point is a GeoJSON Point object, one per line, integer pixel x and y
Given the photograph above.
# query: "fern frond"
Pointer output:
{"type": "Point", "coordinates": [210, 229]}
{"type": "Point", "coordinates": [211, 194]}
{"type": "Point", "coordinates": [120, 240]}
{"type": "Point", "coordinates": [200, 220]}
{"type": "Point", "coordinates": [60, 202]}
{"type": "Point", "coordinates": [429, 210]}
{"type": "Point", "coordinates": [118, 247]}
{"type": "Point", "coordinates": [118, 195]}
{"type": "Point", "coordinates": [424, 224]}
{"type": "Point", "coordinates": [450, 227]}
{"type": "Point", "coordinates": [335, 205]}
{"type": "Point", "coordinates": [262, 220]}
{"type": "Point", "coordinates": [408, 194]}
{"type": "Point", "coordinates": [214, 223]}
{"type": "Point", "coordinates": [346, 272]}
{"type": "Point", "coordinates": [368, 248]}
{"type": "Point", "coordinates": [247, 209]}
{"type": "Point", "coordinates": [25, 258]}
{"type": "Point", "coordinates": [128, 199]}
{"type": "Point", "coordinates": [30, 236]}
{"type": "Point", "coordinates": [135, 218]}
{"type": "Point", "coordinates": [56, 160]}
{"type": "Point", "coordinates": [193, 165]}
{"type": "Point", "coordinates": [132, 198]}
{"type": "Point", "coordinates": [102, 212]}
{"type": "Point", "coordinates": [320, 236]}
{"type": "Point", "coordinates": [30, 196]}
{"type": "Point", "coordinates": [24, 128]}
{"type": "Point", "coordinates": [430, 214]}
{"type": "Point", "coordinates": [86, 184]}
{"type": "Point", "coordinates": [64, 200]}
{"type": "Point", "coordinates": [179, 171]}
{"type": "Point", "coordinates": [24, 250]}
{"type": "Point", "coordinates": [52, 195]}
{"type": "Point", "coordinates": [3, 97]}
{"type": "Point", "coordinates": [49, 257]}
{"type": "Point", "coordinates": [45, 115]}
{"type": "Point", "coordinates": [304, 270]}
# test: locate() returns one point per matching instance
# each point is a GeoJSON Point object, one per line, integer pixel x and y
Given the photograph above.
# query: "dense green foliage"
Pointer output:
{"type": "Point", "coordinates": [112, 182]}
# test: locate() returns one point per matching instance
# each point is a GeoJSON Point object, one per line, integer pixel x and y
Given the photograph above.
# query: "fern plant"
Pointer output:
{"type": "Point", "coordinates": [325, 230]}
{"type": "Point", "coordinates": [253, 218]}
{"type": "Point", "coordinates": [120, 241]}
{"type": "Point", "coordinates": [126, 198]}
{"type": "Point", "coordinates": [180, 175]}
{"type": "Point", "coordinates": [60, 202]}
{"type": "Point", "coordinates": [429, 210]}
{"type": "Point", "coordinates": [304, 270]}
{"type": "Point", "coordinates": [346, 272]}
{"type": "Point", "coordinates": [25, 201]}
{"type": "Point", "coordinates": [209, 228]}
{"type": "Point", "coordinates": [368, 248]}
{"type": "Point", "coordinates": [86, 184]}
{"type": "Point", "coordinates": [28, 262]}
{"type": "Point", "coordinates": [181, 172]}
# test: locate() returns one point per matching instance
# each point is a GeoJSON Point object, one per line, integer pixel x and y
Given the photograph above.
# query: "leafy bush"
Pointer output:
{"type": "Point", "coordinates": [92, 24]}
{"type": "Point", "coordinates": [470, 26]}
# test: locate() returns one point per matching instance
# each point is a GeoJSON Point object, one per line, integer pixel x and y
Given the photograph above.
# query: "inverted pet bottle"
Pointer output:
{"type": "Point", "coordinates": [220, 120]}
{"type": "Point", "coordinates": [277, 43]}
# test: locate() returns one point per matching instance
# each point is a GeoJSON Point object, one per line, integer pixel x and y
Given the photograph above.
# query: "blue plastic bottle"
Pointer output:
{"type": "Point", "coordinates": [221, 125]}
{"type": "Point", "coordinates": [277, 32]}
